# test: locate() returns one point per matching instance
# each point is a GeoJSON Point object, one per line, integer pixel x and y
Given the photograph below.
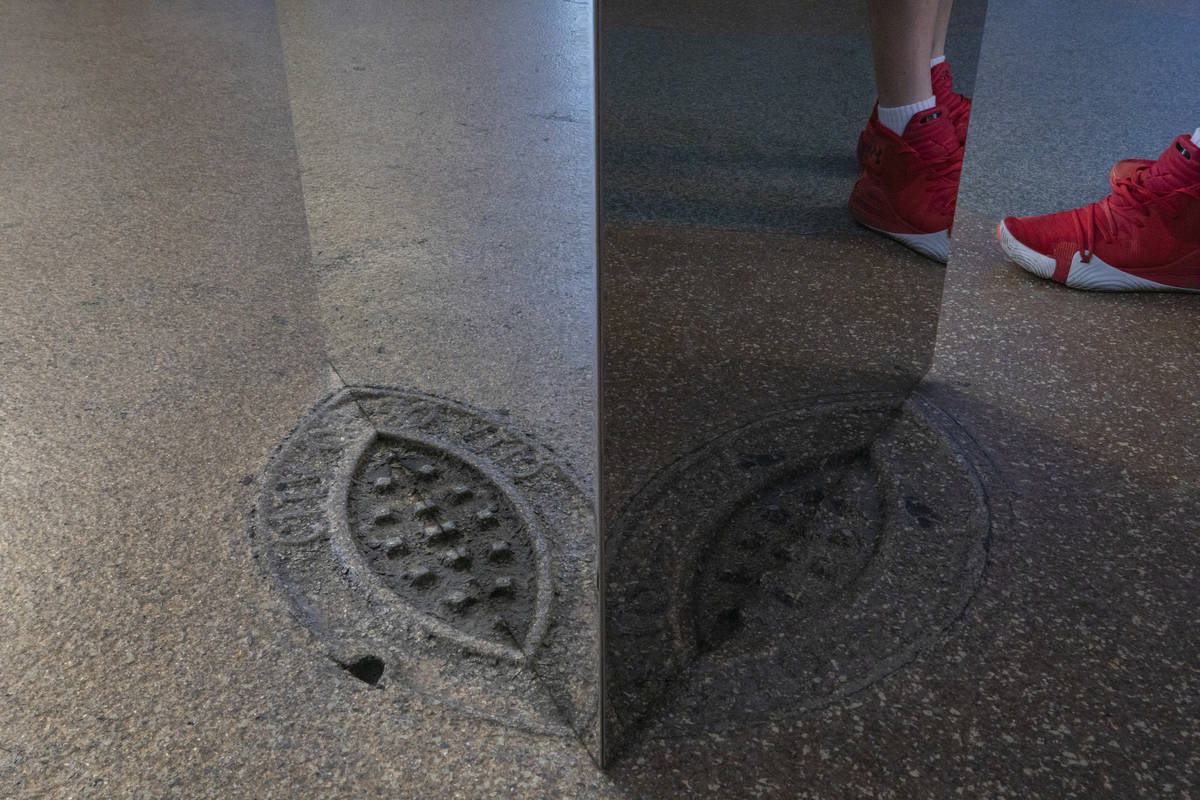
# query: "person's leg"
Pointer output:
{"type": "Point", "coordinates": [909, 152]}
{"type": "Point", "coordinates": [956, 105]}
{"type": "Point", "coordinates": [941, 24]}
{"type": "Point", "coordinates": [899, 31]}
{"type": "Point", "coordinates": [902, 34]}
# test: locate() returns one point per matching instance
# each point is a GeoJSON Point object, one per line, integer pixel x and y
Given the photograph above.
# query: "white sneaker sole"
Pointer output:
{"type": "Point", "coordinates": [1094, 275]}
{"type": "Point", "coordinates": [931, 245]}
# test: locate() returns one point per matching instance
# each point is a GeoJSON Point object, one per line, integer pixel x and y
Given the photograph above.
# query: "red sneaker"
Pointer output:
{"type": "Point", "coordinates": [1127, 170]}
{"type": "Point", "coordinates": [909, 185]}
{"type": "Point", "coordinates": [1145, 236]}
{"type": "Point", "coordinates": [956, 105]}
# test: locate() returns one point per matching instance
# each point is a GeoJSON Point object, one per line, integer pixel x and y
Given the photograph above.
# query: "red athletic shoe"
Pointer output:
{"type": "Point", "coordinates": [909, 185]}
{"type": "Point", "coordinates": [957, 107]}
{"type": "Point", "coordinates": [1127, 170]}
{"type": "Point", "coordinates": [1145, 236]}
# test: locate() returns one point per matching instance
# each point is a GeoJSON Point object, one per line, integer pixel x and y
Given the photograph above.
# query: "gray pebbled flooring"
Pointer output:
{"type": "Point", "coordinates": [212, 215]}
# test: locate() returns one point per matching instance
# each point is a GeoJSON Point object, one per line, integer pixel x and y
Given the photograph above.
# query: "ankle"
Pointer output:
{"type": "Point", "coordinates": [896, 118]}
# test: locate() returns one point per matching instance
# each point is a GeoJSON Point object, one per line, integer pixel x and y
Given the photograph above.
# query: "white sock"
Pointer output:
{"type": "Point", "coordinates": [933, 62]}
{"type": "Point", "coordinates": [1196, 137]}
{"type": "Point", "coordinates": [897, 117]}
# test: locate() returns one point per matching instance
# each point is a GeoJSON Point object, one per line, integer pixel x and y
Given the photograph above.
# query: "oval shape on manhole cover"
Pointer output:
{"type": "Point", "coordinates": [444, 544]}
{"type": "Point", "coordinates": [453, 539]}
{"type": "Point", "coordinates": [790, 562]}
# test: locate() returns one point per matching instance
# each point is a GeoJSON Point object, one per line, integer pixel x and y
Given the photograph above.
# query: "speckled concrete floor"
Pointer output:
{"type": "Point", "coordinates": [211, 215]}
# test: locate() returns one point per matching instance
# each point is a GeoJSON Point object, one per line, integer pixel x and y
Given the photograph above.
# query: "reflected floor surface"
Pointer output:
{"type": "Point", "coordinates": [1068, 673]}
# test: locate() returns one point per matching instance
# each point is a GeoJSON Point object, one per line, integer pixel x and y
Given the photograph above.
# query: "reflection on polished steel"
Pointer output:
{"type": "Point", "coordinates": [798, 559]}
{"type": "Point", "coordinates": [783, 523]}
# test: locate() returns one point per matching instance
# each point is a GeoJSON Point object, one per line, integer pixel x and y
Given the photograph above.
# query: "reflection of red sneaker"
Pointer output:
{"type": "Point", "coordinates": [1145, 236]}
{"type": "Point", "coordinates": [910, 183]}
{"type": "Point", "coordinates": [957, 106]}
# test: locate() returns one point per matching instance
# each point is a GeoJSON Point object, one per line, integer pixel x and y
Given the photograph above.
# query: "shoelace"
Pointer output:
{"type": "Point", "coordinates": [944, 172]}
{"type": "Point", "coordinates": [1128, 203]}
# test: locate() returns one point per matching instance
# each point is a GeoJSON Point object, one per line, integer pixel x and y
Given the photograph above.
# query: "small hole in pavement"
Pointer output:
{"type": "Point", "coordinates": [368, 669]}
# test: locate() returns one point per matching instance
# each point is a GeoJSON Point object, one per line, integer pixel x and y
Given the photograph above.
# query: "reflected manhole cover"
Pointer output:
{"type": "Point", "coordinates": [790, 562]}
{"type": "Point", "coordinates": [435, 549]}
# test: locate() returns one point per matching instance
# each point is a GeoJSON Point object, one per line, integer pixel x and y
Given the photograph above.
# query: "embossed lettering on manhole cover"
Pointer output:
{"type": "Point", "coordinates": [443, 549]}
{"type": "Point", "coordinates": [790, 562]}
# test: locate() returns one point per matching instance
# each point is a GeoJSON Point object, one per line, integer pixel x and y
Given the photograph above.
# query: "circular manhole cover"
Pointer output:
{"type": "Point", "coordinates": [790, 562]}
{"type": "Point", "coordinates": [433, 548]}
